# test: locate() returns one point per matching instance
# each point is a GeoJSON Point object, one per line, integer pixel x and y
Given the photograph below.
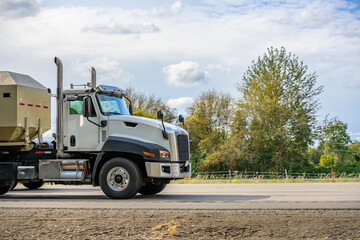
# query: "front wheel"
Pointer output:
{"type": "Point", "coordinates": [34, 184]}
{"type": "Point", "coordinates": [120, 178]}
{"type": "Point", "coordinates": [152, 188]}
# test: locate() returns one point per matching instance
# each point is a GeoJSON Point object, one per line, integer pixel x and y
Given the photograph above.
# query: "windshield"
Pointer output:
{"type": "Point", "coordinates": [112, 105]}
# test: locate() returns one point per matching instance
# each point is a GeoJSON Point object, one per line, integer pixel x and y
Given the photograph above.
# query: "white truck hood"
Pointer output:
{"type": "Point", "coordinates": [147, 121]}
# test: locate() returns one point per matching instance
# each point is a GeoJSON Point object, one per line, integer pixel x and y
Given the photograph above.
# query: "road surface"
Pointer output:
{"type": "Point", "coordinates": [195, 196]}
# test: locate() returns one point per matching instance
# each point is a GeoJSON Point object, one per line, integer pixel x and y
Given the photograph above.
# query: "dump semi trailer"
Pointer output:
{"type": "Point", "coordinates": [25, 106]}
{"type": "Point", "coordinates": [98, 141]}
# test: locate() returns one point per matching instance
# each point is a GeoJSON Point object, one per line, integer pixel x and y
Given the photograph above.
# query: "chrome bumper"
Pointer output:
{"type": "Point", "coordinates": [168, 170]}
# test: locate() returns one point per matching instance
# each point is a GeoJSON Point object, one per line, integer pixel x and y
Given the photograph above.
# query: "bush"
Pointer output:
{"type": "Point", "coordinates": [326, 161]}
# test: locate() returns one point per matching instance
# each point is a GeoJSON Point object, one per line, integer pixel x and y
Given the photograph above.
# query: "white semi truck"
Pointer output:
{"type": "Point", "coordinates": [98, 141]}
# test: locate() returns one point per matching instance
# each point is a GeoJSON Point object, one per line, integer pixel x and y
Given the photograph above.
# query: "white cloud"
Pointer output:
{"type": "Point", "coordinates": [182, 102]}
{"type": "Point", "coordinates": [19, 8]}
{"type": "Point", "coordinates": [185, 74]}
{"type": "Point", "coordinates": [105, 69]}
{"type": "Point", "coordinates": [119, 28]}
{"type": "Point", "coordinates": [353, 84]}
{"type": "Point", "coordinates": [176, 8]}
{"type": "Point", "coordinates": [219, 68]}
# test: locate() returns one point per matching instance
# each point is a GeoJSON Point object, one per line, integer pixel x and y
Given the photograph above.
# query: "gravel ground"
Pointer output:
{"type": "Point", "coordinates": [178, 224]}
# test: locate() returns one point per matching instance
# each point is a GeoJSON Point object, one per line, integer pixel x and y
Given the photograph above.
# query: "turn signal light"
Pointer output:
{"type": "Point", "coordinates": [149, 154]}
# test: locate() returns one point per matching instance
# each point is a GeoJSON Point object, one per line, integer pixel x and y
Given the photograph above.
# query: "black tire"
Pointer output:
{"type": "Point", "coordinates": [120, 178]}
{"type": "Point", "coordinates": [13, 185]}
{"type": "Point", "coordinates": [4, 189]}
{"type": "Point", "coordinates": [34, 184]}
{"type": "Point", "coordinates": [152, 189]}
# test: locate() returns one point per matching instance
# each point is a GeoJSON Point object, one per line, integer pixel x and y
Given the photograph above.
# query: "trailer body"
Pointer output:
{"type": "Point", "coordinates": [25, 110]}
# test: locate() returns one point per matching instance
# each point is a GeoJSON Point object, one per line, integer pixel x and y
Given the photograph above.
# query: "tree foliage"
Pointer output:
{"type": "Point", "coordinates": [147, 105]}
{"type": "Point", "coordinates": [326, 161]}
{"type": "Point", "coordinates": [208, 123]}
{"type": "Point", "coordinates": [334, 140]}
{"type": "Point", "coordinates": [269, 128]}
{"type": "Point", "coordinates": [279, 102]}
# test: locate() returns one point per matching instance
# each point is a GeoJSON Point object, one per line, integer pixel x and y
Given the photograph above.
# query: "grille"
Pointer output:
{"type": "Point", "coordinates": [183, 147]}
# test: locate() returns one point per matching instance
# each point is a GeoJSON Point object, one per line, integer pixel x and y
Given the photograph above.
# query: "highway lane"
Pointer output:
{"type": "Point", "coordinates": [195, 196]}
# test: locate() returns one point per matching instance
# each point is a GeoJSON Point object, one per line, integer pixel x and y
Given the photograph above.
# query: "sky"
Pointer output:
{"type": "Point", "coordinates": [179, 49]}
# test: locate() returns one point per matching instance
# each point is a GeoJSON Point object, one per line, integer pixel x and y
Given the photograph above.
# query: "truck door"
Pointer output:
{"type": "Point", "coordinates": [80, 134]}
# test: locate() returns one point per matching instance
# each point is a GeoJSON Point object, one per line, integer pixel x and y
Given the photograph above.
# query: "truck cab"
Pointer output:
{"type": "Point", "coordinates": [99, 142]}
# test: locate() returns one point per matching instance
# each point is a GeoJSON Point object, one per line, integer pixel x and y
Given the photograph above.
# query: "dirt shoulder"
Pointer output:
{"type": "Point", "coordinates": [178, 224]}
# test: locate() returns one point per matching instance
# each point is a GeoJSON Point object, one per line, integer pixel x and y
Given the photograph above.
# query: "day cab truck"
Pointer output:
{"type": "Point", "coordinates": [98, 141]}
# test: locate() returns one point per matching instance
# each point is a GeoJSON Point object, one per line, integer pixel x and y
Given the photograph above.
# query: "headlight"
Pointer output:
{"type": "Point", "coordinates": [164, 155]}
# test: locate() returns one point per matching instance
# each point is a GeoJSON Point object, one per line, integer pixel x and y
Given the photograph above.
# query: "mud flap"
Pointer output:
{"type": "Point", "coordinates": [8, 171]}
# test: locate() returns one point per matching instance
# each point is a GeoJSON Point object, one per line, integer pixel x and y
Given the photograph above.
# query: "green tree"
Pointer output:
{"type": "Point", "coordinates": [314, 155]}
{"type": "Point", "coordinates": [326, 161]}
{"type": "Point", "coordinates": [279, 102]}
{"type": "Point", "coordinates": [355, 150]}
{"type": "Point", "coordinates": [208, 124]}
{"type": "Point", "coordinates": [147, 105]}
{"type": "Point", "coordinates": [232, 154]}
{"type": "Point", "coordinates": [334, 140]}
{"type": "Point", "coordinates": [235, 151]}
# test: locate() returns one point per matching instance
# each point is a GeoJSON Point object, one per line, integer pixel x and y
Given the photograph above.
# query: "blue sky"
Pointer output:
{"type": "Point", "coordinates": [178, 49]}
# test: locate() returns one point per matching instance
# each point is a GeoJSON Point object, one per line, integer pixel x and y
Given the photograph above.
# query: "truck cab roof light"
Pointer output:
{"type": "Point", "coordinates": [110, 89]}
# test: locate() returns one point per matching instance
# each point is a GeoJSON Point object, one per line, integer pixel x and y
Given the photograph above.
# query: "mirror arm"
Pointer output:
{"type": "Point", "coordinates": [130, 104]}
{"type": "Point", "coordinates": [103, 123]}
{"type": "Point", "coordinates": [164, 132]}
{"type": "Point", "coordinates": [160, 115]}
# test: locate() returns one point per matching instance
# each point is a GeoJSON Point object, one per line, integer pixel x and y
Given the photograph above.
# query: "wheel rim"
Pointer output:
{"type": "Point", "coordinates": [118, 179]}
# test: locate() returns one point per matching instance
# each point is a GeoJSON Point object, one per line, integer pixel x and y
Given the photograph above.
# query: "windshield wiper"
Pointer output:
{"type": "Point", "coordinates": [116, 113]}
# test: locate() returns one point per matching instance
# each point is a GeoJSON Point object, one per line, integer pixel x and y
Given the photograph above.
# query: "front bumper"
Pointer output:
{"type": "Point", "coordinates": [168, 170]}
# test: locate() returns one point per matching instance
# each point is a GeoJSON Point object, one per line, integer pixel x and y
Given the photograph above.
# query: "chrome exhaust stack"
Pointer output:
{"type": "Point", "coordinates": [59, 108]}
{"type": "Point", "coordinates": [93, 77]}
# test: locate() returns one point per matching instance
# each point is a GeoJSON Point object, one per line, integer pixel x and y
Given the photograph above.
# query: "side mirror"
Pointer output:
{"type": "Point", "coordinates": [131, 109]}
{"type": "Point", "coordinates": [160, 115]}
{"type": "Point", "coordinates": [87, 107]}
{"type": "Point", "coordinates": [182, 120]}
{"type": "Point", "coordinates": [71, 98]}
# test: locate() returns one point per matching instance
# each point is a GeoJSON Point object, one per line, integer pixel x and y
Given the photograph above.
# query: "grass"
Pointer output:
{"type": "Point", "coordinates": [208, 179]}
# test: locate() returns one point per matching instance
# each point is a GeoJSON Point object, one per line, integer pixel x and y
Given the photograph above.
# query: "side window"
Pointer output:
{"type": "Point", "coordinates": [76, 107]}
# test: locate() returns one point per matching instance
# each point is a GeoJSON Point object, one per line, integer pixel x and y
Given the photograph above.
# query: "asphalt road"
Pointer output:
{"type": "Point", "coordinates": [195, 196]}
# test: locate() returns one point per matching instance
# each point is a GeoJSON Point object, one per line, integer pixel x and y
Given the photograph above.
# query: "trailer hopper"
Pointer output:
{"type": "Point", "coordinates": [24, 110]}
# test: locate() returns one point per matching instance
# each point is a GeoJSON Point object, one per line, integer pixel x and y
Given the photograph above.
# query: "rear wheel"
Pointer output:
{"type": "Point", "coordinates": [4, 188]}
{"type": "Point", "coordinates": [13, 185]}
{"type": "Point", "coordinates": [34, 184]}
{"type": "Point", "coordinates": [120, 178]}
{"type": "Point", "coordinates": [152, 188]}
